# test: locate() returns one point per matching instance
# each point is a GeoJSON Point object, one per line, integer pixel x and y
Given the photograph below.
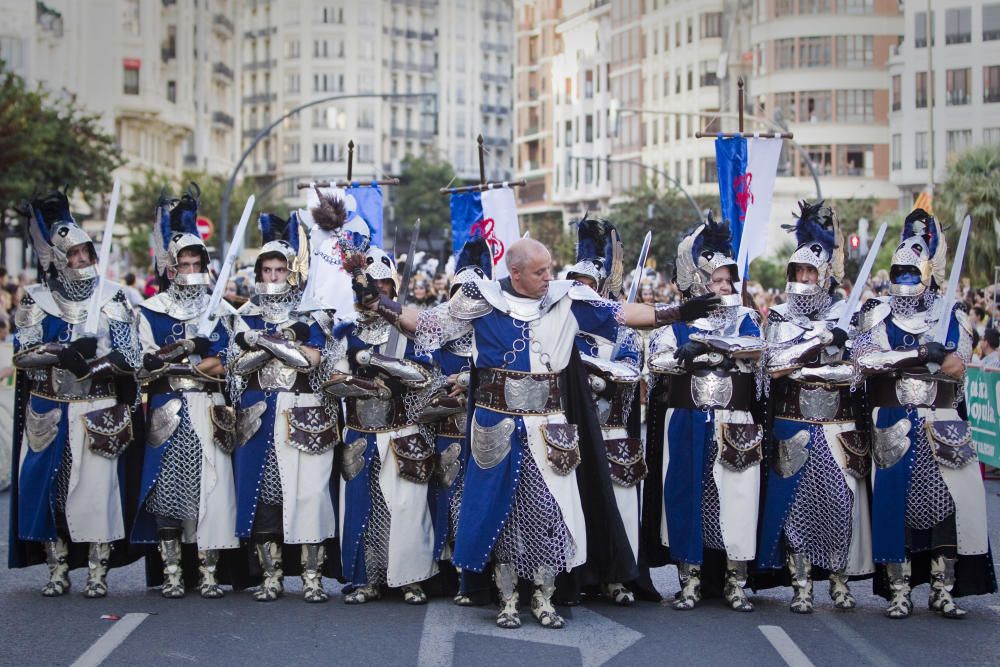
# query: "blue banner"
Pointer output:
{"type": "Point", "coordinates": [466, 211]}
{"type": "Point", "coordinates": [368, 200]}
{"type": "Point", "coordinates": [731, 162]}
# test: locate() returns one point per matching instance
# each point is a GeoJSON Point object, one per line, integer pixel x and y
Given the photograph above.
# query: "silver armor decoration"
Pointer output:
{"type": "Point", "coordinates": [248, 421]}
{"type": "Point", "coordinates": [491, 444]}
{"type": "Point", "coordinates": [177, 491]}
{"type": "Point", "coordinates": [56, 557]}
{"type": "Point", "coordinates": [795, 354]}
{"type": "Point", "coordinates": [449, 464]}
{"type": "Point", "coordinates": [792, 454]}
{"type": "Point", "coordinates": [276, 375]}
{"type": "Point", "coordinates": [41, 428]}
{"type": "Point", "coordinates": [526, 394]}
{"type": "Point", "coordinates": [185, 302]}
{"type": "Point", "coordinates": [711, 390]}
{"type": "Point", "coordinates": [287, 352]}
{"type": "Point", "coordinates": [878, 360]}
{"type": "Point", "coordinates": [809, 306]}
{"type": "Point", "coordinates": [377, 530]}
{"type": "Point", "coordinates": [173, 579]}
{"type": "Point", "coordinates": [163, 421]}
{"type": "Point", "coordinates": [436, 326]}
{"type": "Point", "coordinates": [818, 403]}
{"type": "Point", "coordinates": [269, 557]}
{"type": "Point", "coordinates": [353, 461]}
{"type": "Point", "coordinates": [374, 413]}
{"type": "Point", "coordinates": [928, 499]}
{"type": "Point", "coordinates": [898, 574]}
{"type": "Point", "coordinates": [73, 309]}
{"type": "Point", "coordinates": [891, 443]}
{"type": "Point", "coordinates": [916, 391]}
{"type": "Point", "coordinates": [410, 373]}
{"type": "Point", "coordinates": [835, 373]}
{"type": "Point", "coordinates": [277, 308]}
{"type": "Point", "coordinates": [248, 362]}
{"type": "Point", "coordinates": [97, 570]}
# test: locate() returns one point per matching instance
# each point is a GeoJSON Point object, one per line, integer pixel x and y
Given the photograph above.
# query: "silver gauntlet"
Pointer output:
{"type": "Point", "coordinates": [282, 349]}
{"type": "Point", "coordinates": [250, 361]}
{"type": "Point", "coordinates": [792, 356]}
{"type": "Point", "coordinates": [739, 347]}
{"type": "Point", "coordinates": [40, 356]}
{"type": "Point", "coordinates": [829, 373]}
{"type": "Point", "coordinates": [876, 362]}
{"type": "Point", "coordinates": [411, 374]}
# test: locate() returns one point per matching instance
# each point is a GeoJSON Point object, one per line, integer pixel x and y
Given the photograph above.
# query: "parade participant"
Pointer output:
{"type": "Point", "coordinates": [74, 469]}
{"type": "Point", "coordinates": [388, 457]}
{"type": "Point", "coordinates": [521, 505]}
{"type": "Point", "coordinates": [928, 502]}
{"type": "Point", "coordinates": [816, 509]}
{"type": "Point", "coordinates": [285, 436]}
{"type": "Point", "coordinates": [710, 447]}
{"type": "Point", "coordinates": [613, 382]}
{"type": "Point", "coordinates": [188, 495]}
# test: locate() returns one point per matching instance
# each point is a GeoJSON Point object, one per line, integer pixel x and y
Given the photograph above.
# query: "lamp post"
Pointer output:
{"type": "Point", "coordinates": [227, 194]}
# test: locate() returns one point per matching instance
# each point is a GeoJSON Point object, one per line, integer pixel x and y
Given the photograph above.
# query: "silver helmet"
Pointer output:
{"type": "Point", "coordinates": [285, 239]}
{"type": "Point", "coordinates": [918, 263]}
{"type": "Point", "coordinates": [176, 231]}
{"type": "Point", "coordinates": [599, 254]}
{"type": "Point", "coordinates": [700, 254]}
{"type": "Point", "coordinates": [380, 266]}
{"type": "Point", "coordinates": [820, 244]}
{"type": "Point", "coordinates": [54, 233]}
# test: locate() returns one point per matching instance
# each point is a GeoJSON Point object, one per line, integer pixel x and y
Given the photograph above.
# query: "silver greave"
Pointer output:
{"type": "Point", "coordinates": [505, 577]}
{"type": "Point", "coordinates": [736, 579]}
{"type": "Point", "coordinates": [97, 570]}
{"type": "Point", "coordinates": [56, 554]}
{"type": "Point", "coordinates": [689, 575]}
{"type": "Point", "coordinates": [900, 606]}
{"type": "Point", "coordinates": [541, 599]}
{"type": "Point", "coordinates": [942, 582]}
{"type": "Point", "coordinates": [313, 557]}
{"type": "Point", "coordinates": [208, 582]}
{"type": "Point", "coordinates": [173, 577]}
{"type": "Point", "coordinates": [269, 556]}
{"type": "Point", "coordinates": [801, 572]}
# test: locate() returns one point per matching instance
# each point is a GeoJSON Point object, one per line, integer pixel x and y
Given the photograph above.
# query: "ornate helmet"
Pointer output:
{"type": "Point", "coordinates": [820, 245]}
{"type": "Point", "coordinates": [285, 239]}
{"type": "Point", "coordinates": [700, 253]}
{"type": "Point", "coordinates": [918, 263]}
{"type": "Point", "coordinates": [474, 262]}
{"type": "Point", "coordinates": [53, 233]}
{"type": "Point", "coordinates": [176, 230]}
{"type": "Point", "coordinates": [380, 266]}
{"type": "Point", "coordinates": [599, 256]}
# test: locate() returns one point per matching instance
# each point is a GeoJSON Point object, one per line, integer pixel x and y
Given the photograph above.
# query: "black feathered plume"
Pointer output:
{"type": "Point", "coordinates": [330, 214]}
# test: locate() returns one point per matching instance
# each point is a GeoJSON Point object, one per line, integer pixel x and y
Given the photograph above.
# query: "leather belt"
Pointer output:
{"type": "Point", "coordinates": [300, 386]}
{"type": "Point", "coordinates": [98, 389]}
{"type": "Point", "coordinates": [700, 390]}
{"type": "Point", "coordinates": [453, 426]}
{"type": "Point", "coordinates": [812, 402]}
{"type": "Point", "coordinates": [902, 392]}
{"type": "Point", "coordinates": [519, 393]}
{"type": "Point", "coordinates": [161, 385]}
{"type": "Point", "coordinates": [373, 415]}
{"type": "Point", "coordinates": [620, 395]}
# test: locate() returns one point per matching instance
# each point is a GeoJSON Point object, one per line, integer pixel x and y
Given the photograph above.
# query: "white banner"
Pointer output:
{"type": "Point", "coordinates": [762, 164]}
{"type": "Point", "coordinates": [500, 209]}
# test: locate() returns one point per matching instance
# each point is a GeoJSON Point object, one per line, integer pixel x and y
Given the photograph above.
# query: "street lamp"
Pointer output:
{"type": "Point", "coordinates": [227, 194]}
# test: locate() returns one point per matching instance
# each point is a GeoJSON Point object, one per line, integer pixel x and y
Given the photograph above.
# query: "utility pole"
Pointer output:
{"type": "Point", "coordinates": [930, 101]}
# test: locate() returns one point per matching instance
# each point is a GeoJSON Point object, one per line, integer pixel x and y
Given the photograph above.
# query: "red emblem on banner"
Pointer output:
{"type": "Point", "coordinates": [744, 197]}
{"type": "Point", "coordinates": [485, 228]}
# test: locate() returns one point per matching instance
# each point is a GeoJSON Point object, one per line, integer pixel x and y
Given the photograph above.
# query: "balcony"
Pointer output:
{"type": "Point", "coordinates": [495, 47]}
{"type": "Point", "coordinates": [260, 98]}
{"type": "Point", "coordinates": [260, 64]}
{"type": "Point", "coordinates": [494, 108]}
{"type": "Point", "coordinates": [496, 142]}
{"type": "Point", "coordinates": [250, 132]}
{"type": "Point", "coordinates": [190, 160]}
{"type": "Point", "coordinates": [499, 17]}
{"type": "Point", "coordinates": [222, 23]}
{"type": "Point", "coordinates": [221, 69]}
{"type": "Point", "coordinates": [405, 133]}
{"type": "Point", "coordinates": [222, 118]}
{"type": "Point", "coordinates": [490, 77]}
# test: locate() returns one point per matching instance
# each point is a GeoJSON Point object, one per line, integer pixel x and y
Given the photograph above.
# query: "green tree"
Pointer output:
{"type": "Point", "coordinates": [418, 196]}
{"type": "Point", "coordinates": [972, 187]}
{"type": "Point", "coordinates": [47, 144]}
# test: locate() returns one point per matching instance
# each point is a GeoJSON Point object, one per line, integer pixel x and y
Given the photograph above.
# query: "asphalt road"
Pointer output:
{"type": "Point", "coordinates": [238, 631]}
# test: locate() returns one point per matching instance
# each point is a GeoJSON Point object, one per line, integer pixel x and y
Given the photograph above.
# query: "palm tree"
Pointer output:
{"type": "Point", "coordinates": [972, 187]}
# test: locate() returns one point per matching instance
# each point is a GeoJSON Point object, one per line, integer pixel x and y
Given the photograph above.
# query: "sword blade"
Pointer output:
{"type": "Point", "coordinates": [633, 289]}
{"type": "Point", "coordinates": [944, 314]}
{"type": "Point", "coordinates": [103, 255]}
{"type": "Point", "coordinates": [210, 316]}
{"type": "Point", "coordinates": [862, 278]}
{"type": "Point", "coordinates": [396, 345]}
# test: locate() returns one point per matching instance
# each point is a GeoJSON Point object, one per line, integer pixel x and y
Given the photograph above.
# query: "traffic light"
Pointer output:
{"type": "Point", "coordinates": [854, 245]}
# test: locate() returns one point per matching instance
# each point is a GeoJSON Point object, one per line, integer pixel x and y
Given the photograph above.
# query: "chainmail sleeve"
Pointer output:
{"type": "Point", "coordinates": [867, 342]}
{"type": "Point", "coordinates": [435, 327]}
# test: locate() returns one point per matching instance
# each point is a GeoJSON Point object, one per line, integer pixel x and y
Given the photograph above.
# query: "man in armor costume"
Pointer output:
{"type": "Point", "coordinates": [711, 448]}
{"type": "Point", "coordinates": [74, 470]}
{"type": "Point", "coordinates": [928, 501]}
{"type": "Point", "coordinates": [285, 436]}
{"type": "Point", "coordinates": [816, 514]}
{"type": "Point", "coordinates": [388, 458]}
{"type": "Point", "coordinates": [613, 382]}
{"type": "Point", "coordinates": [521, 506]}
{"type": "Point", "coordinates": [188, 494]}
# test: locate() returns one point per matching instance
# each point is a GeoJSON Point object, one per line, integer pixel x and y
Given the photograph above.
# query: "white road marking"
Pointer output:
{"type": "Point", "coordinates": [109, 641]}
{"type": "Point", "coordinates": [786, 648]}
{"type": "Point", "coordinates": [597, 637]}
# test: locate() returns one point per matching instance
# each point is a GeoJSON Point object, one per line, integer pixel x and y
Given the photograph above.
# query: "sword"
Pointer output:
{"type": "Point", "coordinates": [944, 313]}
{"type": "Point", "coordinates": [396, 345]}
{"type": "Point", "coordinates": [94, 307]}
{"type": "Point", "coordinates": [209, 318]}
{"type": "Point", "coordinates": [862, 278]}
{"type": "Point", "coordinates": [633, 289]}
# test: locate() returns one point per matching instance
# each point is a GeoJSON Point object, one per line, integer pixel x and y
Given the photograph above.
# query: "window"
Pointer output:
{"type": "Point", "coordinates": [896, 150]}
{"type": "Point", "coordinates": [855, 106]}
{"type": "Point", "coordinates": [291, 152]}
{"type": "Point", "coordinates": [711, 25]}
{"type": "Point", "coordinates": [785, 102]}
{"type": "Point", "coordinates": [708, 170]}
{"type": "Point", "coordinates": [854, 6]}
{"type": "Point", "coordinates": [690, 30]}
{"type": "Point", "coordinates": [921, 91]}
{"type": "Point", "coordinates": [131, 76]}
{"type": "Point", "coordinates": [814, 6]}
{"type": "Point", "coordinates": [856, 160]}
{"type": "Point", "coordinates": [366, 153]}
{"type": "Point", "coordinates": [897, 90]}
{"type": "Point", "coordinates": [957, 141]}
{"type": "Point", "coordinates": [172, 91]}
{"type": "Point", "coordinates": [814, 52]}
{"type": "Point", "coordinates": [815, 106]}
{"type": "Point", "coordinates": [784, 8]}
{"type": "Point", "coordinates": [855, 51]}
{"type": "Point", "coordinates": [366, 118]}
{"type": "Point", "coordinates": [328, 152]}
{"type": "Point", "coordinates": [991, 83]}
{"type": "Point", "coordinates": [958, 25]}
{"type": "Point", "coordinates": [678, 120]}
{"type": "Point", "coordinates": [588, 85]}
{"type": "Point", "coordinates": [784, 53]}
{"type": "Point", "coordinates": [569, 134]}
{"type": "Point", "coordinates": [991, 135]}
{"type": "Point", "coordinates": [292, 48]}
{"type": "Point", "coordinates": [920, 151]}
{"type": "Point", "coordinates": [991, 22]}
{"type": "Point", "coordinates": [588, 171]}
{"type": "Point", "coordinates": [920, 30]}
{"type": "Point", "coordinates": [708, 76]}
{"type": "Point", "coordinates": [690, 74]}
{"type": "Point", "coordinates": [588, 134]}
{"type": "Point", "coordinates": [821, 158]}
{"type": "Point", "coordinates": [957, 82]}
{"type": "Point", "coordinates": [689, 176]}
{"type": "Point", "coordinates": [332, 15]}
{"type": "Point", "coordinates": [677, 34]}
{"type": "Point", "coordinates": [292, 83]}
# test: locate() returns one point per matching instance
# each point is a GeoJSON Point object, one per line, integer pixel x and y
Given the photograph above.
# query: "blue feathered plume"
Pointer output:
{"type": "Point", "coordinates": [921, 223]}
{"type": "Point", "coordinates": [716, 237]}
{"type": "Point", "coordinates": [594, 241]}
{"type": "Point", "coordinates": [476, 252]}
{"type": "Point", "coordinates": [50, 209]}
{"type": "Point", "coordinates": [814, 224]}
{"type": "Point", "coordinates": [178, 216]}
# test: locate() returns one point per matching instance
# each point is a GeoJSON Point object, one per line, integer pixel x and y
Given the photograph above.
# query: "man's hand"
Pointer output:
{"type": "Point", "coordinates": [86, 347]}
{"type": "Point", "coordinates": [934, 352]}
{"type": "Point", "coordinates": [152, 363]}
{"type": "Point", "coordinates": [241, 340]}
{"type": "Point", "coordinates": [201, 345]}
{"type": "Point", "coordinates": [698, 307]}
{"type": "Point", "coordinates": [366, 293]}
{"type": "Point", "coordinates": [74, 362]}
{"type": "Point", "coordinates": [839, 337]}
{"type": "Point", "coordinates": [299, 330]}
{"type": "Point", "coordinates": [687, 352]}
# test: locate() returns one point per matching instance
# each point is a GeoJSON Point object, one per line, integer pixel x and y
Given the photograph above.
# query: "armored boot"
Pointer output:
{"type": "Point", "coordinates": [689, 595]}
{"type": "Point", "coordinates": [269, 555]}
{"type": "Point", "coordinates": [900, 606]}
{"type": "Point", "coordinates": [840, 593]}
{"type": "Point", "coordinates": [313, 557]}
{"type": "Point", "coordinates": [942, 581]}
{"type": "Point", "coordinates": [541, 599]}
{"type": "Point", "coordinates": [55, 557]}
{"type": "Point", "coordinates": [414, 594]}
{"type": "Point", "coordinates": [619, 593]}
{"type": "Point", "coordinates": [506, 581]}
{"type": "Point", "coordinates": [801, 569]}
{"type": "Point", "coordinates": [170, 552]}
{"type": "Point", "coordinates": [97, 570]}
{"type": "Point", "coordinates": [208, 583]}
{"type": "Point", "coordinates": [363, 594]}
{"type": "Point", "coordinates": [736, 579]}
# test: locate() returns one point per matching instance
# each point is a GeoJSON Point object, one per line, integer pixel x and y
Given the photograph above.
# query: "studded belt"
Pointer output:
{"type": "Point", "coordinates": [453, 426]}
{"type": "Point", "coordinates": [711, 389]}
{"type": "Point", "coordinates": [299, 386]}
{"type": "Point", "coordinates": [901, 392]}
{"type": "Point", "coordinates": [374, 415]}
{"type": "Point", "coordinates": [812, 402]}
{"type": "Point", "coordinates": [166, 385]}
{"type": "Point", "coordinates": [519, 393]}
{"type": "Point", "coordinates": [611, 408]}
{"type": "Point", "coordinates": [68, 390]}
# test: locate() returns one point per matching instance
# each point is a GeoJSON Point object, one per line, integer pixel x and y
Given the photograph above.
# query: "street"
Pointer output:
{"type": "Point", "coordinates": [238, 631]}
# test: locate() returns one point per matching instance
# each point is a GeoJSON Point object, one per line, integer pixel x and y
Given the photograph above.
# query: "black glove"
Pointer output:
{"type": "Point", "coordinates": [241, 340]}
{"type": "Point", "coordinates": [86, 347]}
{"type": "Point", "coordinates": [688, 351]}
{"type": "Point", "coordinates": [699, 306]}
{"type": "Point", "coordinates": [839, 336]}
{"type": "Point", "coordinates": [934, 352]}
{"type": "Point", "coordinates": [366, 294]}
{"type": "Point", "coordinates": [152, 363]}
{"type": "Point", "coordinates": [301, 331]}
{"type": "Point", "coordinates": [74, 362]}
{"type": "Point", "coordinates": [201, 345]}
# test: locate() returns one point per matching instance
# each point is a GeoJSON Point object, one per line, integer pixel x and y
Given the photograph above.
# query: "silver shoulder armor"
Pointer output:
{"type": "Point", "coordinates": [117, 309]}
{"type": "Point", "coordinates": [468, 303]}
{"type": "Point", "coordinates": [580, 292]}
{"type": "Point", "coordinates": [842, 373]}
{"type": "Point", "coordinates": [616, 371]}
{"type": "Point", "coordinates": [871, 315]}
{"type": "Point", "coordinates": [963, 320]}
{"type": "Point", "coordinates": [28, 314]}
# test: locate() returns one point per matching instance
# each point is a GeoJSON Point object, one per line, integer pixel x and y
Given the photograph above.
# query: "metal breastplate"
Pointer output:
{"type": "Point", "coordinates": [74, 312]}
{"type": "Point", "coordinates": [276, 376]}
